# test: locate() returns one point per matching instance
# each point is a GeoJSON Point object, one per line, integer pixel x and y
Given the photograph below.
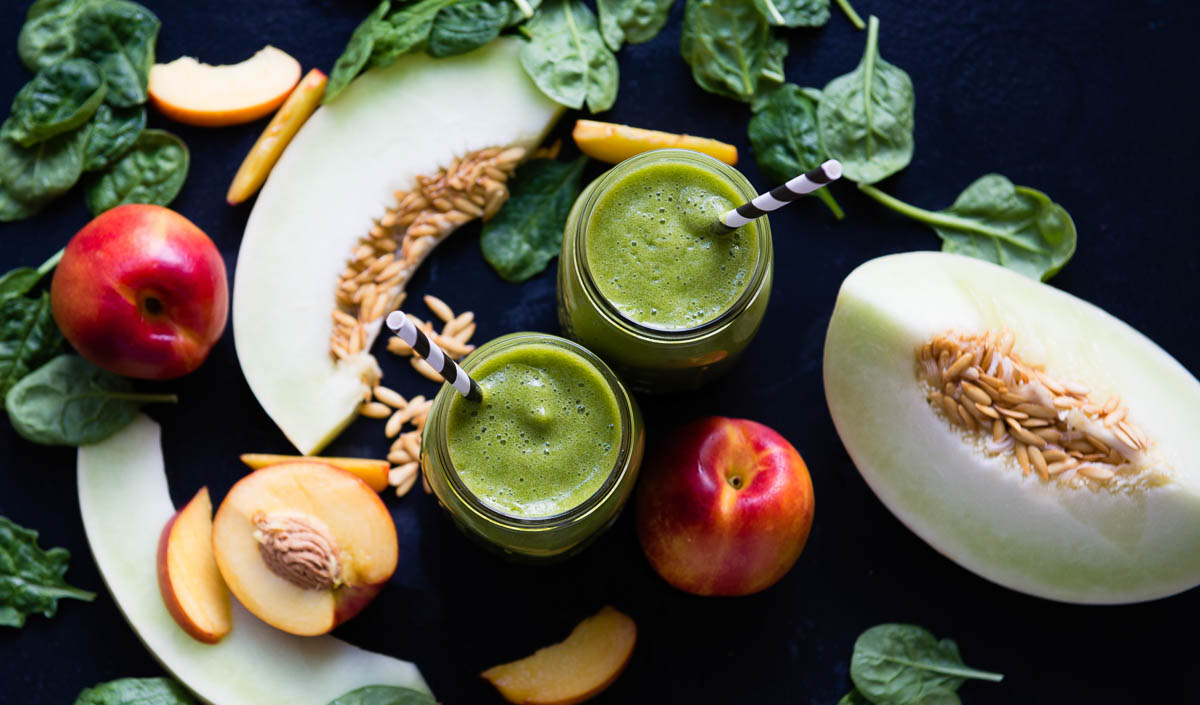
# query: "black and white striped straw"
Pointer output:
{"type": "Point", "coordinates": [780, 196]}
{"type": "Point", "coordinates": [441, 363]}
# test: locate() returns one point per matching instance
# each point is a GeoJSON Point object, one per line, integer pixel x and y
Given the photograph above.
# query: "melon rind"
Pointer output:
{"type": "Point", "coordinates": [340, 171]}
{"type": "Point", "coordinates": [125, 504]}
{"type": "Point", "coordinates": [1070, 544]}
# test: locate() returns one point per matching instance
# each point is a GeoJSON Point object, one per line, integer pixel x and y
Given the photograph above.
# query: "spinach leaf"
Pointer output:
{"type": "Point", "coordinates": [384, 695]}
{"type": "Point", "coordinates": [731, 48]}
{"type": "Point", "coordinates": [994, 220]}
{"type": "Point", "coordinates": [795, 13]}
{"type": "Point", "coordinates": [866, 116]}
{"type": "Point", "coordinates": [31, 580]}
{"type": "Point", "coordinates": [527, 233]}
{"type": "Point", "coordinates": [357, 52]}
{"type": "Point", "coordinates": [136, 691]}
{"type": "Point", "coordinates": [460, 28]}
{"type": "Point", "coordinates": [113, 132]}
{"type": "Point", "coordinates": [786, 140]}
{"type": "Point", "coordinates": [633, 21]}
{"type": "Point", "coordinates": [152, 171]}
{"type": "Point", "coordinates": [903, 664]}
{"type": "Point", "coordinates": [28, 337]}
{"type": "Point", "coordinates": [854, 698]}
{"type": "Point", "coordinates": [567, 58]}
{"type": "Point", "coordinates": [32, 177]}
{"type": "Point", "coordinates": [406, 30]}
{"type": "Point", "coordinates": [60, 98]}
{"type": "Point", "coordinates": [119, 37]}
{"type": "Point", "coordinates": [19, 281]}
{"type": "Point", "coordinates": [70, 402]}
{"type": "Point", "coordinates": [848, 9]}
{"type": "Point", "coordinates": [48, 36]}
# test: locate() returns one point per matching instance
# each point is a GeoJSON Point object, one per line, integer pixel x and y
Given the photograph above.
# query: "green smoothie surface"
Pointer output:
{"type": "Point", "coordinates": [544, 438]}
{"type": "Point", "coordinates": [653, 252]}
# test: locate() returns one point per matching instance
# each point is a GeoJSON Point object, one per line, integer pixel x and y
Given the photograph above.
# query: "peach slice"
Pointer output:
{"type": "Point", "coordinates": [613, 143]}
{"type": "Point", "coordinates": [193, 93]}
{"type": "Point", "coordinates": [304, 546]}
{"type": "Point", "coordinates": [373, 472]}
{"type": "Point", "coordinates": [191, 585]}
{"type": "Point", "coordinates": [571, 671]}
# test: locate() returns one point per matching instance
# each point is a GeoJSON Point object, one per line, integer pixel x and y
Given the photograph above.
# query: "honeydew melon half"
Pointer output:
{"type": "Point", "coordinates": [125, 503]}
{"type": "Point", "coordinates": [1079, 541]}
{"type": "Point", "coordinates": [340, 171]}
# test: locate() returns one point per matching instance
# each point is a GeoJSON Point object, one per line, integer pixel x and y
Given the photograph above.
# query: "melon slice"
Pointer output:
{"type": "Point", "coordinates": [124, 499]}
{"type": "Point", "coordinates": [340, 171]}
{"type": "Point", "coordinates": [1086, 532]}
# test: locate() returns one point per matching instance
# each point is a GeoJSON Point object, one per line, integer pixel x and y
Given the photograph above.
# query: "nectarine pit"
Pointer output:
{"type": "Point", "coordinates": [299, 549]}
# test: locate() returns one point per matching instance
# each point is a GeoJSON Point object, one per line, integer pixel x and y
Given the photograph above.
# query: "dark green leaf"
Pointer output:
{"type": "Point", "coordinates": [152, 171]}
{"type": "Point", "coordinates": [20, 281]}
{"type": "Point", "coordinates": [68, 401]}
{"type": "Point", "coordinates": [113, 132]}
{"type": "Point", "coordinates": [357, 52]}
{"type": "Point", "coordinates": [460, 28]}
{"type": "Point", "coordinates": [136, 691]}
{"type": "Point", "coordinates": [786, 140]}
{"type": "Point", "coordinates": [527, 233]}
{"type": "Point", "coordinates": [731, 48]}
{"type": "Point", "coordinates": [384, 695]}
{"type": "Point", "coordinates": [939, 697]}
{"type": "Point", "coordinates": [633, 21]}
{"type": "Point", "coordinates": [60, 98]}
{"type": "Point", "coordinates": [854, 698]}
{"type": "Point", "coordinates": [405, 30]}
{"type": "Point", "coordinates": [48, 36]}
{"type": "Point", "coordinates": [568, 59]}
{"type": "Point", "coordinates": [32, 177]}
{"type": "Point", "coordinates": [119, 37]}
{"type": "Point", "coordinates": [28, 337]}
{"type": "Point", "coordinates": [866, 116]}
{"type": "Point", "coordinates": [901, 664]}
{"type": "Point", "coordinates": [994, 220]}
{"type": "Point", "coordinates": [795, 13]}
{"type": "Point", "coordinates": [31, 580]}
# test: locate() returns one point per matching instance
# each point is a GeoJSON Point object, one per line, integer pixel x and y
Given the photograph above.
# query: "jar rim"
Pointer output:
{"type": "Point", "coordinates": [606, 307]}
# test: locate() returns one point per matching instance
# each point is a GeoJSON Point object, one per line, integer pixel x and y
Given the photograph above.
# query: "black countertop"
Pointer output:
{"type": "Point", "coordinates": [1087, 100]}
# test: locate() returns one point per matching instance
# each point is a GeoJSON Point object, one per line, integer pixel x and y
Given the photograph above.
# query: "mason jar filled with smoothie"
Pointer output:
{"type": "Point", "coordinates": [543, 463]}
{"type": "Point", "coordinates": [650, 282]}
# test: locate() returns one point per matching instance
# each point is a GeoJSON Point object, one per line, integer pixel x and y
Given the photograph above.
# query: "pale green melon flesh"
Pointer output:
{"type": "Point", "coordinates": [125, 504]}
{"type": "Point", "coordinates": [1083, 544]}
{"type": "Point", "coordinates": [340, 171]}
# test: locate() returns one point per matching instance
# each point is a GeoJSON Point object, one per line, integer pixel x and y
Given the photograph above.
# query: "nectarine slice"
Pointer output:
{"type": "Point", "coordinates": [373, 472]}
{"type": "Point", "coordinates": [613, 143]}
{"type": "Point", "coordinates": [191, 585]}
{"type": "Point", "coordinates": [571, 671]}
{"type": "Point", "coordinates": [304, 546]}
{"type": "Point", "coordinates": [193, 93]}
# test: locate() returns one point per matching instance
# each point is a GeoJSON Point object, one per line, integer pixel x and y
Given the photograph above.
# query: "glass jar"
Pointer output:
{"type": "Point", "coordinates": [648, 358]}
{"type": "Point", "coordinates": [538, 538]}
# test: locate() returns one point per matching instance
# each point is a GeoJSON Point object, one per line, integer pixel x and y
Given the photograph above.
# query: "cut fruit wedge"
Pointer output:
{"type": "Point", "coordinates": [191, 585]}
{"type": "Point", "coordinates": [1089, 528]}
{"type": "Point", "coordinates": [613, 143]}
{"type": "Point", "coordinates": [125, 502]}
{"type": "Point", "coordinates": [373, 472]}
{"type": "Point", "coordinates": [387, 128]}
{"type": "Point", "coordinates": [193, 93]}
{"type": "Point", "coordinates": [571, 671]}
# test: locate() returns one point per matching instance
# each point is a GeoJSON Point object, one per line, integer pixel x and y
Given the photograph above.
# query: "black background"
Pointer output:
{"type": "Point", "coordinates": [1091, 101]}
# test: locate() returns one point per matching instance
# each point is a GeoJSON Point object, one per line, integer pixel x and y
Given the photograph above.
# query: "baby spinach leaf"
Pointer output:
{"type": "Point", "coordinates": [854, 698]}
{"type": "Point", "coordinates": [60, 98]}
{"type": "Point", "coordinates": [136, 691]}
{"type": "Point", "coordinates": [994, 220]}
{"type": "Point", "coordinates": [357, 52]}
{"type": "Point", "coordinates": [795, 13]}
{"type": "Point", "coordinates": [527, 233]}
{"type": "Point", "coordinates": [119, 37]}
{"type": "Point", "coordinates": [460, 28]}
{"type": "Point", "coordinates": [32, 177]}
{"type": "Point", "coordinates": [731, 48]}
{"type": "Point", "coordinates": [633, 21]}
{"type": "Point", "coordinates": [786, 140]}
{"type": "Point", "coordinates": [384, 695]}
{"type": "Point", "coordinates": [406, 30]}
{"type": "Point", "coordinates": [567, 58]}
{"type": "Point", "coordinates": [113, 132]}
{"type": "Point", "coordinates": [152, 171]}
{"type": "Point", "coordinates": [28, 337]}
{"type": "Point", "coordinates": [70, 402]}
{"type": "Point", "coordinates": [866, 116]}
{"type": "Point", "coordinates": [902, 664]}
{"type": "Point", "coordinates": [31, 580]}
{"type": "Point", "coordinates": [48, 36]}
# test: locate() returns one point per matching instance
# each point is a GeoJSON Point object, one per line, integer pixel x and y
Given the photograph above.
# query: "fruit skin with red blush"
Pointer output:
{"type": "Point", "coordinates": [724, 507]}
{"type": "Point", "coordinates": [141, 292]}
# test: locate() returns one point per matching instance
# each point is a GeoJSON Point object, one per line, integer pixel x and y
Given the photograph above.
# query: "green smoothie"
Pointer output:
{"type": "Point", "coordinates": [545, 437]}
{"type": "Point", "coordinates": [652, 250]}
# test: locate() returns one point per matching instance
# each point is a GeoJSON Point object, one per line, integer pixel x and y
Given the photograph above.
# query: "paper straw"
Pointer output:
{"type": "Point", "coordinates": [441, 363]}
{"type": "Point", "coordinates": [780, 196]}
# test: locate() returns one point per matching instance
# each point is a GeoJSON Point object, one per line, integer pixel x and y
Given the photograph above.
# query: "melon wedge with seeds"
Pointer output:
{"type": "Point", "coordinates": [340, 171]}
{"type": "Point", "coordinates": [1131, 535]}
{"type": "Point", "coordinates": [125, 503]}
